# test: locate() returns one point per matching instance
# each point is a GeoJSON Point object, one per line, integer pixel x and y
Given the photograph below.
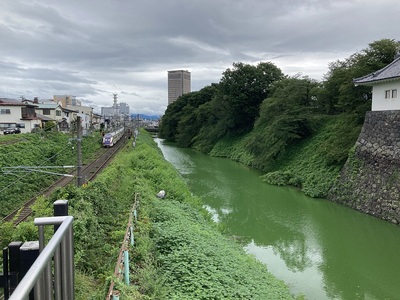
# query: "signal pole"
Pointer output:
{"type": "Point", "coordinates": [79, 150]}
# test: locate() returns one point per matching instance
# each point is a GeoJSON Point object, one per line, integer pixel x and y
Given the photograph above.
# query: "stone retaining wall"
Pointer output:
{"type": "Point", "coordinates": [370, 179]}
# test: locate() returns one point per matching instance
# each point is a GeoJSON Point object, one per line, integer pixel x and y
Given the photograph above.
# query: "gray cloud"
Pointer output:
{"type": "Point", "coordinates": [92, 49]}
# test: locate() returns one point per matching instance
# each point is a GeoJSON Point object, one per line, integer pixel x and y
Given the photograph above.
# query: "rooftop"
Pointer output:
{"type": "Point", "coordinates": [48, 105]}
{"type": "Point", "coordinates": [390, 72]}
{"type": "Point", "coordinates": [11, 102]}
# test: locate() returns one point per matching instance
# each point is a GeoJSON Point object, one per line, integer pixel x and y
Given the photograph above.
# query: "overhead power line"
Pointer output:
{"type": "Point", "coordinates": [41, 169]}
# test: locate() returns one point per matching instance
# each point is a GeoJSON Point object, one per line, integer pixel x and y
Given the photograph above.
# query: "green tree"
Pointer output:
{"type": "Point", "coordinates": [50, 125]}
{"type": "Point", "coordinates": [377, 55]}
{"type": "Point", "coordinates": [182, 122]}
{"type": "Point", "coordinates": [340, 94]}
{"type": "Point", "coordinates": [242, 89]}
{"type": "Point", "coordinates": [171, 118]}
{"type": "Point", "coordinates": [212, 128]}
{"type": "Point", "coordinates": [284, 118]}
{"type": "Point", "coordinates": [195, 115]}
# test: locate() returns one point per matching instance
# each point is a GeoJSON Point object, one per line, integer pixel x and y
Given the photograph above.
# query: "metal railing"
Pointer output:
{"type": "Point", "coordinates": [47, 279]}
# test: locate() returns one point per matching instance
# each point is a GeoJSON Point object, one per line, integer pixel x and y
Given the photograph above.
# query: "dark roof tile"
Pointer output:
{"type": "Point", "coordinates": [390, 72]}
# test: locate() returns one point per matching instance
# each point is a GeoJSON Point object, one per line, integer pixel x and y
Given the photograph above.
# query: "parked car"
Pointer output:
{"type": "Point", "coordinates": [14, 130]}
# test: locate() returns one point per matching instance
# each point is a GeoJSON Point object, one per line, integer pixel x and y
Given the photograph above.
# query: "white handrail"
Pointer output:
{"type": "Point", "coordinates": [61, 247]}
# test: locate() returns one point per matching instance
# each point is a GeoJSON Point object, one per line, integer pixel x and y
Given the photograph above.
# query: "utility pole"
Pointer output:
{"type": "Point", "coordinates": [79, 150]}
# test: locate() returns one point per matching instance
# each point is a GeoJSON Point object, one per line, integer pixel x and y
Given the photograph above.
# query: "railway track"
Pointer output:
{"type": "Point", "coordinates": [89, 172]}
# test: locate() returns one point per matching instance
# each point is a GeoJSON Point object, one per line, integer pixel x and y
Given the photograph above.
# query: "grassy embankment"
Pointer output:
{"type": "Point", "coordinates": [38, 149]}
{"type": "Point", "coordinates": [311, 164]}
{"type": "Point", "coordinates": [179, 253]}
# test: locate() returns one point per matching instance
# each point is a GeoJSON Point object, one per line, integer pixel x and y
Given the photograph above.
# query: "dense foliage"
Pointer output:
{"type": "Point", "coordinates": [259, 116]}
{"type": "Point", "coordinates": [36, 150]}
{"type": "Point", "coordinates": [314, 163]}
{"type": "Point", "coordinates": [190, 112]}
{"type": "Point", "coordinates": [286, 116]}
{"type": "Point", "coordinates": [241, 91]}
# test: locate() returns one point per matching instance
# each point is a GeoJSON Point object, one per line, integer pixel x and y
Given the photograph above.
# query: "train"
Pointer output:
{"type": "Point", "coordinates": [111, 138]}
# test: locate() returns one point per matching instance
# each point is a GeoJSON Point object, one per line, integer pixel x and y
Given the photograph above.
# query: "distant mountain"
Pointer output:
{"type": "Point", "coordinates": [145, 117]}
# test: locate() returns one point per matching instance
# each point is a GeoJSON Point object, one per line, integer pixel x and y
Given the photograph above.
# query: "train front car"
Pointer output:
{"type": "Point", "coordinates": [108, 140]}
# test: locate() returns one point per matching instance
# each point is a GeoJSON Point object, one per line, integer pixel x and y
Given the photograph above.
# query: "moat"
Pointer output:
{"type": "Point", "coordinates": [318, 248]}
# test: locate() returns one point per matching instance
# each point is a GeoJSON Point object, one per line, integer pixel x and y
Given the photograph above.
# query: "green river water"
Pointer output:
{"type": "Point", "coordinates": [318, 248]}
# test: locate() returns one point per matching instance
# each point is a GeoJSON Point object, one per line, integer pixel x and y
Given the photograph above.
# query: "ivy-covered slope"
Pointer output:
{"type": "Point", "coordinates": [311, 164]}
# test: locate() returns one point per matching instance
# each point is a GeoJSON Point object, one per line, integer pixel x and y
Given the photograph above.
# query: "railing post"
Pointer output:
{"type": "Point", "coordinates": [13, 254]}
{"type": "Point", "coordinates": [70, 268]}
{"type": "Point", "coordinates": [40, 285]}
{"type": "Point", "coordinates": [29, 251]}
{"type": "Point", "coordinates": [115, 295]}
{"type": "Point", "coordinates": [46, 280]}
{"type": "Point", "coordinates": [131, 235]}
{"type": "Point", "coordinates": [60, 209]}
{"type": "Point", "coordinates": [126, 267]}
{"type": "Point", "coordinates": [5, 274]}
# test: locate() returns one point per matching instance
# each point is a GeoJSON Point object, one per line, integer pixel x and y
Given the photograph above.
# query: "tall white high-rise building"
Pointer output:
{"type": "Point", "coordinates": [179, 83]}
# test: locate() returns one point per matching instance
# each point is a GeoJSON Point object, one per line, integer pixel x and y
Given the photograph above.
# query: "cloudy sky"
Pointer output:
{"type": "Point", "coordinates": [94, 48]}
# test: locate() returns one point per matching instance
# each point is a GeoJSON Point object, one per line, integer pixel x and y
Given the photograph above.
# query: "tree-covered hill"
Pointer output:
{"type": "Point", "coordinates": [277, 123]}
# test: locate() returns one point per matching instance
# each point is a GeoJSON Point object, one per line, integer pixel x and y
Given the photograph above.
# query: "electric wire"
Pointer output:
{"type": "Point", "coordinates": [19, 179]}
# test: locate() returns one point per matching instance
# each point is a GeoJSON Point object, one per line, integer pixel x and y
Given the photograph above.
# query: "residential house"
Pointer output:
{"type": "Point", "coordinates": [52, 111]}
{"type": "Point", "coordinates": [48, 110]}
{"type": "Point", "coordinates": [15, 113]}
{"type": "Point", "coordinates": [29, 114]}
{"type": "Point", "coordinates": [385, 86]}
{"type": "Point", "coordinates": [97, 119]}
{"type": "Point", "coordinates": [68, 116]}
{"type": "Point", "coordinates": [86, 114]}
